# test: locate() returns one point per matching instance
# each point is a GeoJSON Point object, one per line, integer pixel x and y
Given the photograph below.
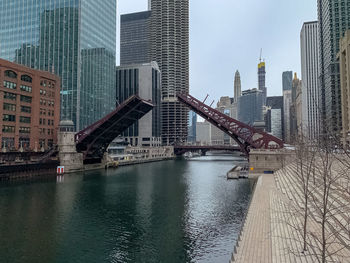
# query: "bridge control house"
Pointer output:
{"type": "Point", "coordinates": [29, 108]}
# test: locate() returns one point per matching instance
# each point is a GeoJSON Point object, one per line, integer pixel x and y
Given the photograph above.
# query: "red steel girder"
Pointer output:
{"type": "Point", "coordinates": [246, 136]}
{"type": "Point", "coordinates": [94, 140]}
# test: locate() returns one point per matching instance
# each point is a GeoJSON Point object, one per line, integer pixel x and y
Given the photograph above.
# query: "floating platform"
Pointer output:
{"type": "Point", "coordinates": [237, 172]}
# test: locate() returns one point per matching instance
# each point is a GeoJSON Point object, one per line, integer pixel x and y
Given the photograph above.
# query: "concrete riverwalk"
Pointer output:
{"type": "Point", "coordinates": [272, 231]}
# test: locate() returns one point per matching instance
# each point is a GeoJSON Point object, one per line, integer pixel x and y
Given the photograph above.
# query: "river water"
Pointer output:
{"type": "Point", "coordinates": [172, 211]}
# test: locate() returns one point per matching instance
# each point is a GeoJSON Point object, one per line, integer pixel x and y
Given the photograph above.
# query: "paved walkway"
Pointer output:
{"type": "Point", "coordinates": [255, 245]}
{"type": "Point", "coordinates": [273, 227]}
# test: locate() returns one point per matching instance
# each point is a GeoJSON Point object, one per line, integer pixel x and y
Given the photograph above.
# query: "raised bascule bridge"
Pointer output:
{"type": "Point", "coordinates": [89, 145]}
{"type": "Point", "coordinates": [244, 135]}
{"type": "Point", "coordinates": [93, 141]}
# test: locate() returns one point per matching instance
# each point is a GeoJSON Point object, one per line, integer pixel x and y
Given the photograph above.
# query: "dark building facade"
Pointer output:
{"type": "Point", "coordinates": [135, 37]}
{"type": "Point", "coordinates": [262, 80]}
{"type": "Point", "coordinates": [192, 127]}
{"type": "Point", "coordinates": [274, 116]}
{"type": "Point", "coordinates": [250, 106]}
{"type": "Point", "coordinates": [334, 19]}
{"type": "Point", "coordinates": [143, 80]}
{"type": "Point", "coordinates": [287, 80]}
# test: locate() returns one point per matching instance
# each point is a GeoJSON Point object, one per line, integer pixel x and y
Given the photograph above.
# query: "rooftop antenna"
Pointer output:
{"type": "Point", "coordinates": [260, 55]}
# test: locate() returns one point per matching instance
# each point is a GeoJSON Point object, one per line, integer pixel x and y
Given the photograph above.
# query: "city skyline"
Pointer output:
{"type": "Point", "coordinates": [281, 46]}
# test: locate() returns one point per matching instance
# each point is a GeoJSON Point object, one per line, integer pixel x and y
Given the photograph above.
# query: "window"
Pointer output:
{"type": "Point", "coordinates": [24, 130]}
{"type": "Point", "coordinates": [7, 117]}
{"type": "Point", "coordinates": [8, 129]}
{"type": "Point", "coordinates": [26, 78]}
{"type": "Point", "coordinates": [24, 142]}
{"type": "Point", "coordinates": [8, 143]}
{"type": "Point", "coordinates": [9, 107]}
{"type": "Point", "coordinates": [26, 109]}
{"type": "Point", "coordinates": [26, 99]}
{"type": "Point", "coordinates": [26, 88]}
{"type": "Point", "coordinates": [24, 119]}
{"type": "Point", "coordinates": [43, 83]}
{"type": "Point", "coordinates": [10, 74]}
{"type": "Point", "coordinates": [9, 85]}
{"type": "Point", "coordinates": [9, 96]}
{"type": "Point", "coordinates": [42, 143]}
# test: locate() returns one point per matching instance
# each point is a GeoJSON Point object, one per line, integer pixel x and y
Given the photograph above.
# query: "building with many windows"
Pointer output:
{"type": "Point", "coordinates": [344, 60]}
{"type": "Point", "coordinates": [309, 77]}
{"type": "Point", "coordinates": [274, 116]}
{"type": "Point", "coordinates": [262, 80]}
{"type": "Point", "coordinates": [287, 80]}
{"type": "Point", "coordinates": [334, 20]}
{"type": "Point", "coordinates": [192, 131]}
{"type": "Point", "coordinates": [170, 48]}
{"type": "Point", "coordinates": [237, 87]}
{"type": "Point", "coordinates": [295, 108]}
{"type": "Point", "coordinates": [74, 39]}
{"type": "Point", "coordinates": [287, 84]}
{"type": "Point", "coordinates": [29, 108]}
{"type": "Point", "coordinates": [135, 37]}
{"type": "Point", "coordinates": [143, 80]}
{"type": "Point", "coordinates": [250, 106]}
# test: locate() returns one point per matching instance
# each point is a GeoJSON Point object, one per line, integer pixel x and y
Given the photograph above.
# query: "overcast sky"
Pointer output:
{"type": "Point", "coordinates": [226, 35]}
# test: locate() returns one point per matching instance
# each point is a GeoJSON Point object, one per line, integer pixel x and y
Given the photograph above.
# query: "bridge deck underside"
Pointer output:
{"type": "Point", "coordinates": [94, 140]}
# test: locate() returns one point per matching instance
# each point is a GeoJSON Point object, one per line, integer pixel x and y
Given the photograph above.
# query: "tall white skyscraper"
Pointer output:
{"type": "Point", "coordinates": [237, 86]}
{"type": "Point", "coordinates": [310, 83]}
{"type": "Point", "coordinates": [170, 49]}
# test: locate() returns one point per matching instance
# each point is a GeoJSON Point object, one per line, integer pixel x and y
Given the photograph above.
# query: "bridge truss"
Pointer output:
{"type": "Point", "coordinates": [94, 140]}
{"type": "Point", "coordinates": [246, 136]}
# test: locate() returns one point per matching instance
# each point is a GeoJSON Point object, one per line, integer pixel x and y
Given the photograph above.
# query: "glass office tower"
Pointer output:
{"type": "Point", "coordinates": [75, 39]}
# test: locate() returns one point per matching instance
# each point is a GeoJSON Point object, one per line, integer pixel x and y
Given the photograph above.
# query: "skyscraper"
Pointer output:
{"type": "Point", "coordinates": [287, 83]}
{"type": "Point", "coordinates": [237, 86]}
{"type": "Point", "coordinates": [287, 80]}
{"type": "Point", "coordinates": [262, 80]}
{"type": "Point", "coordinates": [309, 77]}
{"type": "Point", "coordinates": [192, 125]}
{"type": "Point", "coordinates": [250, 106]}
{"type": "Point", "coordinates": [334, 19]}
{"type": "Point", "coordinates": [74, 39]}
{"type": "Point", "coordinates": [344, 61]}
{"type": "Point", "coordinates": [274, 116]}
{"type": "Point", "coordinates": [142, 80]}
{"type": "Point", "coordinates": [170, 48]}
{"type": "Point", "coordinates": [295, 108]}
{"type": "Point", "coordinates": [135, 37]}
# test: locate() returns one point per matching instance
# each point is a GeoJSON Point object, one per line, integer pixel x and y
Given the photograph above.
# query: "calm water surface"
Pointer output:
{"type": "Point", "coordinates": [173, 211]}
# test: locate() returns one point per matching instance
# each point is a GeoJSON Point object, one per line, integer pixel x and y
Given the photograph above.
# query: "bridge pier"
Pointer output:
{"type": "Point", "coordinates": [68, 155]}
{"type": "Point", "coordinates": [262, 161]}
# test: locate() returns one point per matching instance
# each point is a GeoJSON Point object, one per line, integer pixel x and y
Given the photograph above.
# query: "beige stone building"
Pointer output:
{"type": "Point", "coordinates": [299, 110]}
{"type": "Point", "coordinates": [344, 60]}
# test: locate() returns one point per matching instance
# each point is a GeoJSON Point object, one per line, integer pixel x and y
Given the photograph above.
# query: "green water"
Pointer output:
{"type": "Point", "coordinates": [173, 211]}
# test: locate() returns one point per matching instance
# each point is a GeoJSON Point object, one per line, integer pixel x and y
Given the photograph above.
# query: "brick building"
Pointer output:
{"type": "Point", "coordinates": [29, 107]}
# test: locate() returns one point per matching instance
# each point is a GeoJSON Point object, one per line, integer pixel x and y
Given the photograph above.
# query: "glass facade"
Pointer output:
{"type": "Point", "coordinates": [250, 106]}
{"type": "Point", "coordinates": [74, 39]}
{"type": "Point", "coordinates": [135, 38]}
{"type": "Point", "coordinates": [334, 20]}
{"type": "Point", "coordinates": [287, 80]}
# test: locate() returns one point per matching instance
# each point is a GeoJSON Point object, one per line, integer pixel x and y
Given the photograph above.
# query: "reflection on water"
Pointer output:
{"type": "Point", "coordinates": [174, 211]}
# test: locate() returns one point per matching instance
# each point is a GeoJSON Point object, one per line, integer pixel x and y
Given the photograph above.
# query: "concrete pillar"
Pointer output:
{"type": "Point", "coordinates": [68, 155]}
